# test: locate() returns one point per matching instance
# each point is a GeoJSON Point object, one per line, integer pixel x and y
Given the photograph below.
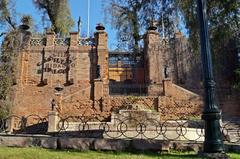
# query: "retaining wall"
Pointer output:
{"type": "Point", "coordinates": [85, 144]}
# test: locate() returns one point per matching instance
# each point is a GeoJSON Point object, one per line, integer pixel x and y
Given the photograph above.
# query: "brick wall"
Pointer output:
{"type": "Point", "coordinates": [50, 61]}
{"type": "Point", "coordinates": [58, 61]}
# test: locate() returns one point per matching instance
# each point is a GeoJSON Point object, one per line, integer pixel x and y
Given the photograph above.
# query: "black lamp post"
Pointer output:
{"type": "Point", "coordinates": [211, 114]}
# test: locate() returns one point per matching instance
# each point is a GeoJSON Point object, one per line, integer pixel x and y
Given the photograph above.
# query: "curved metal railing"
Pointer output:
{"type": "Point", "coordinates": [120, 127]}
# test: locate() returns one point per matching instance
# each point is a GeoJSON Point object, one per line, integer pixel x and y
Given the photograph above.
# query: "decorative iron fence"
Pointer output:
{"type": "Point", "coordinates": [31, 124]}
{"type": "Point", "coordinates": [121, 127]}
{"type": "Point", "coordinates": [133, 128]}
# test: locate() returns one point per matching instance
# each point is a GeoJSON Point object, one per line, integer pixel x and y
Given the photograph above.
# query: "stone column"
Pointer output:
{"type": "Point", "coordinates": [153, 62]}
{"type": "Point", "coordinates": [167, 83]}
{"type": "Point", "coordinates": [101, 39]}
{"type": "Point", "coordinates": [58, 98]}
{"type": "Point", "coordinates": [178, 58]}
{"type": "Point", "coordinates": [74, 38]}
{"type": "Point", "coordinates": [24, 67]}
{"type": "Point", "coordinates": [50, 36]}
{"type": "Point", "coordinates": [53, 121]}
{"type": "Point", "coordinates": [98, 89]}
{"type": "Point", "coordinates": [10, 125]}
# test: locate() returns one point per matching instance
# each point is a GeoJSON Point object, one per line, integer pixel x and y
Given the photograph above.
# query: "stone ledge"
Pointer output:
{"type": "Point", "coordinates": [150, 145]}
{"type": "Point", "coordinates": [84, 144]}
{"type": "Point", "coordinates": [111, 144]}
{"type": "Point", "coordinates": [28, 141]}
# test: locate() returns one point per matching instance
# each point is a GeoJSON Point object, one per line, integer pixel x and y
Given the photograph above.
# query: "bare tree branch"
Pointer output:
{"type": "Point", "coordinates": [2, 34]}
{"type": "Point", "coordinates": [10, 22]}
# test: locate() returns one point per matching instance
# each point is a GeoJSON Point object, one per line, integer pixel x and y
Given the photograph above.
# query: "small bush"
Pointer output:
{"type": "Point", "coordinates": [4, 108]}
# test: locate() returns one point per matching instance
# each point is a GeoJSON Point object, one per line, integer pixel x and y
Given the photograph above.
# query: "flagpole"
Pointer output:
{"type": "Point", "coordinates": [163, 27]}
{"type": "Point", "coordinates": [88, 18]}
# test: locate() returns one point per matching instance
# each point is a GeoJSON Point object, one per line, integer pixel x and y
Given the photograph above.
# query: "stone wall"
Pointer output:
{"type": "Point", "coordinates": [229, 104]}
{"type": "Point", "coordinates": [49, 62]}
{"type": "Point", "coordinates": [86, 144]}
{"type": "Point", "coordinates": [169, 107]}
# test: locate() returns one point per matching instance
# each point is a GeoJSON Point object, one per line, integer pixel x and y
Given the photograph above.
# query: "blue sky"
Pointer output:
{"type": "Point", "coordinates": [78, 8]}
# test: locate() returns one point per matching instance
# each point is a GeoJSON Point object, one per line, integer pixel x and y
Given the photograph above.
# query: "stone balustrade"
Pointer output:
{"type": "Point", "coordinates": [61, 41]}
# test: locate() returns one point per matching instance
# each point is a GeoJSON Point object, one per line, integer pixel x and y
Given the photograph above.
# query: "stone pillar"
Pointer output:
{"type": "Point", "coordinates": [153, 62]}
{"type": "Point", "coordinates": [179, 56]}
{"type": "Point", "coordinates": [58, 98]}
{"type": "Point", "coordinates": [10, 125]}
{"type": "Point", "coordinates": [98, 89]}
{"type": "Point", "coordinates": [24, 67]}
{"type": "Point", "coordinates": [74, 38]}
{"type": "Point", "coordinates": [101, 39]}
{"type": "Point", "coordinates": [50, 36]}
{"type": "Point", "coordinates": [178, 35]}
{"type": "Point", "coordinates": [53, 121]}
{"type": "Point", "coordinates": [167, 83]}
{"type": "Point", "coordinates": [49, 50]}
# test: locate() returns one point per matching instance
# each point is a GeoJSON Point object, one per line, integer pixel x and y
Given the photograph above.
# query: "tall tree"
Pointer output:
{"type": "Point", "coordinates": [7, 12]}
{"type": "Point", "coordinates": [125, 19]}
{"type": "Point", "coordinates": [8, 28]}
{"type": "Point", "coordinates": [131, 18]}
{"type": "Point", "coordinates": [224, 23]}
{"type": "Point", "coordinates": [59, 14]}
{"type": "Point", "coordinates": [10, 45]}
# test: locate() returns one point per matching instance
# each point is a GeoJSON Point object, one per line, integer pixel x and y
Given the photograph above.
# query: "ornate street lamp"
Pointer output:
{"type": "Point", "coordinates": [211, 114]}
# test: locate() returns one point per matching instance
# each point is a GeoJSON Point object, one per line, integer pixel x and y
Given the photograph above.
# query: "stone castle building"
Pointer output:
{"type": "Point", "coordinates": [73, 76]}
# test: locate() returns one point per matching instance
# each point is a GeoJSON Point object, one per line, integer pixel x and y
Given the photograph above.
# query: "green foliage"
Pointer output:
{"type": "Point", "coordinates": [224, 22]}
{"type": "Point", "coordinates": [131, 18]}
{"type": "Point", "coordinates": [125, 19]}
{"type": "Point", "coordinates": [4, 108]}
{"type": "Point", "coordinates": [9, 48]}
{"type": "Point", "coordinates": [5, 83]}
{"type": "Point", "coordinates": [59, 14]}
{"type": "Point", "coordinates": [237, 83]}
{"type": "Point", "coordinates": [27, 20]}
{"type": "Point", "coordinates": [8, 53]}
{"type": "Point", "coordinates": [7, 12]}
{"type": "Point", "coordinates": [4, 9]}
